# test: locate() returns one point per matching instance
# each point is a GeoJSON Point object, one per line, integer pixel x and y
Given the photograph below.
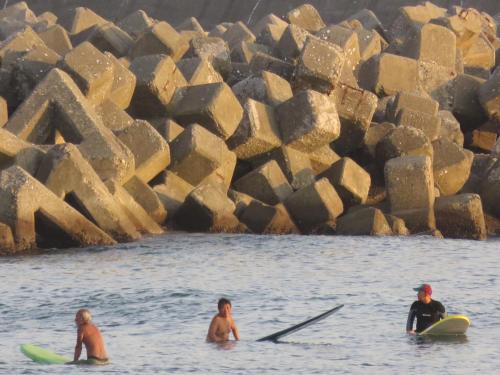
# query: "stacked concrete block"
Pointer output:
{"type": "Point", "coordinates": [269, 30]}
{"type": "Point", "coordinates": [461, 216]}
{"type": "Point", "coordinates": [307, 17]}
{"type": "Point", "coordinates": [429, 124]}
{"type": "Point", "coordinates": [238, 33]}
{"type": "Point", "coordinates": [295, 165]}
{"type": "Point", "coordinates": [215, 50]}
{"type": "Point", "coordinates": [374, 134]}
{"type": "Point", "coordinates": [135, 24]}
{"type": "Point", "coordinates": [356, 108]}
{"type": "Point", "coordinates": [364, 222]}
{"type": "Point", "coordinates": [266, 87]}
{"type": "Point", "coordinates": [57, 39]}
{"type": "Point", "coordinates": [265, 219]}
{"type": "Point", "coordinates": [7, 244]}
{"type": "Point", "coordinates": [91, 70]}
{"type": "Point", "coordinates": [32, 211]}
{"type": "Point", "coordinates": [69, 176]}
{"type": "Point", "coordinates": [388, 74]}
{"type": "Point", "coordinates": [109, 37]}
{"type": "Point", "coordinates": [263, 61]}
{"type": "Point", "coordinates": [450, 128]}
{"type": "Point", "coordinates": [266, 183]}
{"type": "Point", "coordinates": [308, 120]}
{"type": "Point", "coordinates": [489, 95]}
{"type": "Point", "coordinates": [80, 19]}
{"type": "Point", "coordinates": [411, 101]}
{"type": "Point", "coordinates": [17, 44]}
{"type": "Point", "coordinates": [167, 128]}
{"type": "Point", "coordinates": [212, 105]}
{"type": "Point", "coordinates": [207, 209]}
{"type": "Point", "coordinates": [484, 138]}
{"type": "Point", "coordinates": [244, 52]}
{"type": "Point", "coordinates": [397, 225]}
{"type": "Point", "coordinates": [489, 188]}
{"type": "Point", "coordinates": [346, 39]}
{"type": "Point", "coordinates": [403, 141]}
{"type": "Point", "coordinates": [58, 97]}
{"type": "Point", "coordinates": [322, 158]}
{"type": "Point", "coordinates": [257, 133]}
{"type": "Point", "coordinates": [190, 24]}
{"type": "Point", "coordinates": [143, 194]}
{"type": "Point", "coordinates": [198, 71]}
{"type": "Point", "coordinates": [240, 200]}
{"type": "Point", "coordinates": [223, 176]}
{"type": "Point", "coordinates": [124, 83]}
{"type": "Point", "coordinates": [314, 205]}
{"type": "Point", "coordinates": [351, 182]}
{"type": "Point", "coordinates": [410, 188]}
{"type": "Point", "coordinates": [172, 192]}
{"type": "Point", "coordinates": [319, 66]}
{"type": "Point", "coordinates": [157, 79]}
{"type": "Point", "coordinates": [292, 42]}
{"type": "Point", "coordinates": [466, 103]}
{"type": "Point", "coordinates": [15, 151]}
{"type": "Point", "coordinates": [451, 166]}
{"type": "Point", "coordinates": [370, 43]}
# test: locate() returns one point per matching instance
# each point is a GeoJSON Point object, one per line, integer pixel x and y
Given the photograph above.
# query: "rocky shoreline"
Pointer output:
{"type": "Point", "coordinates": [112, 130]}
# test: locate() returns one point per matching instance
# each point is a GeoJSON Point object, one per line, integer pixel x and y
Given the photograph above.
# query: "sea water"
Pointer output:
{"type": "Point", "coordinates": [153, 301]}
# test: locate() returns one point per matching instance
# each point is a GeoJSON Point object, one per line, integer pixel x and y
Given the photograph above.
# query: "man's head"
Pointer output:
{"type": "Point", "coordinates": [83, 316]}
{"type": "Point", "coordinates": [224, 306]}
{"type": "Point", "coordinates": [424, 293]}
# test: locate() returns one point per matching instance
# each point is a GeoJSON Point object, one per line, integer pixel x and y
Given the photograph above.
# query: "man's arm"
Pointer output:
{"type": "Point", "coordinates": [212, 330]}
{"type": "Point", "coordinates": [442, 311]}
{"type": "Point", "coordinates": [234, 329]}
{"type": "Point", "coordinates": [409, 322]}
{"type": "Point", "coordinates": [78, 347]}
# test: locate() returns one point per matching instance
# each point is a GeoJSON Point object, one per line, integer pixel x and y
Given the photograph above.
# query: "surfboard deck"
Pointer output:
{"type": "Point", "coordinates": [450, 326]}
{"type": "Point", "coordinates": [285, 332]}
{"type": "Point", "coordinates": [43, 356]}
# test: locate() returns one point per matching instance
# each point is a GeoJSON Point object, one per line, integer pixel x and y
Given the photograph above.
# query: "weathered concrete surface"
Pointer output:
{"type": "Point", "coordinates": [364, 222]}
{"type": "Point", "coordinates": [461, 216]}
{"type": "Point", "coordinates": [15, 151]}
{"type": "Point", "coordinates": [147, 198]}
{"type": "Point", "coordinates": [265, 219]}
{"type": "Point", "coordinates": [27, 206]}
{"type": "Point", "coordinates": [172, 192]}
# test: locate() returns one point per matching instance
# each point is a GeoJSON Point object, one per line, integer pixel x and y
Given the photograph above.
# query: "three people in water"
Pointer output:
{"type": "Point", "coordinates": [426, 310]}
{"type": "Point", "coordinates": [223, 323]}
{"type": "Point", "coordinates": [90, 336]}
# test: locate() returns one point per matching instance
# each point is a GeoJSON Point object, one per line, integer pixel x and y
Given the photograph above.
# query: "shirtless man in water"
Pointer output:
{"type": "Point", "coordinates": [222, 323]}
{"type": "Point", "coordinates": [89, 335]}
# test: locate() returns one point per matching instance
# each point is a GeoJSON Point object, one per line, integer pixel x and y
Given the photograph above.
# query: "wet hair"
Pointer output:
{"type": "Point", "coordinates": [222, 302]}
{"type": "Point", "coordinates": [85, 314]}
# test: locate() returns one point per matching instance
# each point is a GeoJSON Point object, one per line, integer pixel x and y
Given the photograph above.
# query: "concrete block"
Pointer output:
{"type": "Point", "coordinates": [403, 141]}
{"type": "Point", "coordinates": [292, 42]}
{"type": "Point", "coordinates": [466, 104]}
{"type": "Point", "coordinates": [136, 23]}
{"type": "Point", "coordinates": [70, 177]}
{"type": "Point", "coordinates": [346, 39]}
{"type": "Point", "coordinates": [31, 68]}
{"type": "Point", "coordinates": [489, 95]}
{"type": "Point", "coordinates": [262, 61]}
{"type": "Point", "coordinates": [308, 121]}
{"type": "Point", "coordinates": [18, 44]}
{"type": "Point", "coordinates": [213, 106]}
{"type": "Point", "coordinates": [124, 82]}
{"type": "Point", "coordinates": [369, 21]}
{"type": "Point", "coordinates": [196, 153]}
{"type": "Point", "coordinates": [461, 216]}
{"type": "Point", "coordinates": [215, 50]}
{"type": "Point", "coordinates": [266, 87]}
{"type": "Point", "coordinates": [217, 31]}
{"type": "Point", "coordinates": [161, 38]}
{"type": "Point", "coordinates": [109, 37]}
{"type": "Point", "coordinates": [265, 219]}
{"type": "Point", "coordinates": [278, 90]}
{"type": "Point", "coordinates": [57, 39]}
{"type": "Point", "coordinates": [481, 54]}
{"type": "Point", "coordinates": [134, 211]}
{"type": "Point", "coordinates": [374, 134]}
{"type": "Point", "coordinates": [489, 189]}
{"type": "Point", "coordinates": [314, 205]}
{"type": "Point", "coordinates": [319, 66]}
{"type": "Point", "coordinates": [172, 192]}
{"type": "Point", "coordinates": [244, 51]}
{"type": "Point", "coordinates": [266, 183]}
{"type": "Point", "coordinates": [388, 74]}
{"type": "Point", "coordinates": [240, 200]}
{"type": "Point", "coordinates": [450, 128]}
{"type": "Point", "coordinates": [269, 30]}
{"type": "Point", "coordinates": [4, 112]}
{"type": "Point", "coordinates": [484, 138]}
{"type": "Point", "coordinates": [80, 19]}
{"type": "Point", "coordinates": [91, 70]}
{"type": "Point", "coordinates": [150, 150]}
{"type": "Point", "coordinates": [19, 12]}
{"type": "Point", "coordinates": [370, 44]}
{"type": "Point", "coordinates": [351, 182]}
{"type": "Point", "coordinates": [147, 198]}
{"type": "Point", "coordinates": [223, 176]}
{"type": "Point", "coordinates": [410, 189]}
{"type": "Point", "coordinates": [322, 158]}
{"type": "Point", "coordinates": [257, 133]}
{"type": "Point", "coordinates": [423, 44]}
{"type": "Point", "coordinates": [48, 17]}
{"type": "Point", "coordinates": [238, 33]}
{"type": "Point", "coordinates": [58, 98]}
{"type": "Point", "coordinates": [412, 101]}
{"type": "Point", "coordinates": [190, 24]}
{"type": "Point", "coordinates": [397, 225]}
{"type": "Point", "coordinates": [295, 165]}
{"type": "Point", "coordinates": [355, 108]}
{"type": "Point", "coordinates": [198, 71]}
{"type": "Point", "coordinates": [307, 17]}
{"type": "Point", "coordinates": [113, 117]}
{"type": "Point", "coordinates": [15, 151]}
{"type": "Point", "coordinates": [429, 124]}
{"type": "Point", "coordinates": [364, 222]}
{"type": "Point", "coordinates": [157, 79]}
{"type": "Point", "coordinates": [207, 209]}
{"type": "Point", "coordinates": [7, 244]}
{"type": "Point", "coordinates": [167, 128]}
{"type": "Point", "coordinates": [451, 166]}
{"type": "Point", "coordinates": [38, 217]}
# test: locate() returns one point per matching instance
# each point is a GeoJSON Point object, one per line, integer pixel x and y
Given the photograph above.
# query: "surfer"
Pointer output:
{"type": "Point", "coordinates": [89, 335]}
{"type": "Point", "coordinates": [223, 323]}
{"type": "Point", "coordinates": [426, 310]}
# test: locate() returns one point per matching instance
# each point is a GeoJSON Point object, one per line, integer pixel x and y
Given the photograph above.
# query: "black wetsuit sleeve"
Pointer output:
{"type": "Point", "coordinates": [442, 311]}
{"type": "Point", "coordinates": [411, 317]}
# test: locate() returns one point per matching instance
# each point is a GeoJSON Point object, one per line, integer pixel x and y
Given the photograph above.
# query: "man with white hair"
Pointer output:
{"type": "Point", "coordinates": [89, 335]}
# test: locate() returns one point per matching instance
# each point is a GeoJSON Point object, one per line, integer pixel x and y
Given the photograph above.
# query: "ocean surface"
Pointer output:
{"type": "Point", "coordinates": [153, 301]}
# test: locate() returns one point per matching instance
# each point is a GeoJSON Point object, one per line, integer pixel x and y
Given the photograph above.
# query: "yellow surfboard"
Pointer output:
{"type": "Point", "coordinates": [452, 325]}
